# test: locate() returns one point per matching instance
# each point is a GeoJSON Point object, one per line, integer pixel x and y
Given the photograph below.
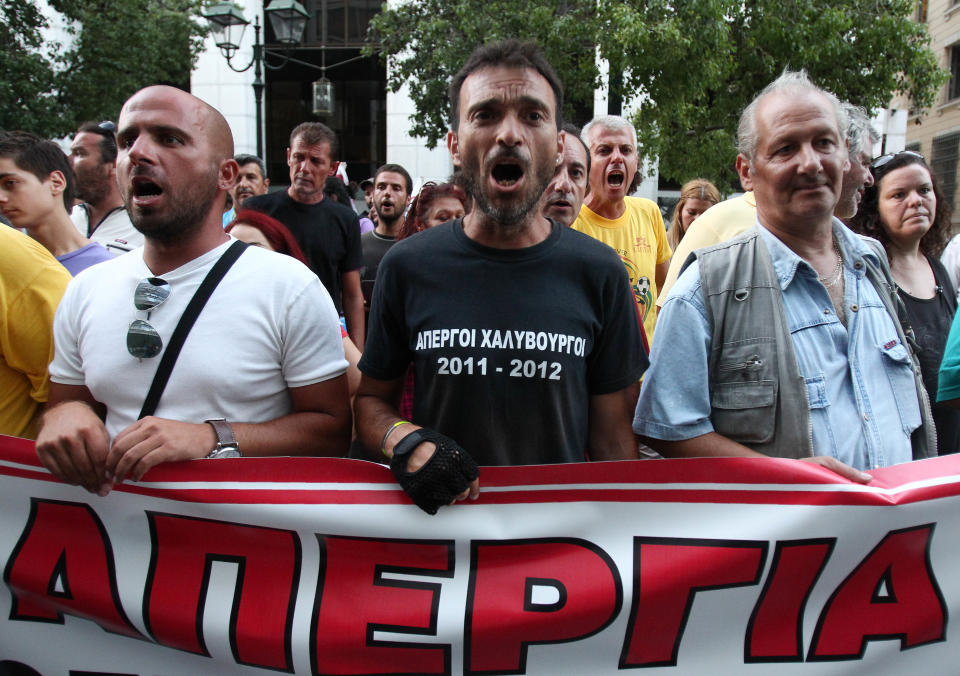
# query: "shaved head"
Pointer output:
{"type": "Point", "coordinates": [213, 123]}
{"type": "Point", "coordinates": [175, 163]}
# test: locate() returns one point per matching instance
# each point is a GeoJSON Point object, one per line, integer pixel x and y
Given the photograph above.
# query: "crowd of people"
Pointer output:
{"type": "Point", "coordinates": [529, 310]}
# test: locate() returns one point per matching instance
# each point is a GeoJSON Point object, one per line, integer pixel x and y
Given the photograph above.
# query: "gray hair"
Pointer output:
{"type": "Point", "coordinates": [860, 133]}
{"type": "Point", "coordinates": [790, 81]}
{"type": "Point", "coordinates": [244, 160]}
{"type": "Point", "coordinates": [610, 122]}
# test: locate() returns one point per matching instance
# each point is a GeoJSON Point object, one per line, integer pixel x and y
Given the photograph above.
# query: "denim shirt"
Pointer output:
{"type": "Point", "coordinates": [860, 384]}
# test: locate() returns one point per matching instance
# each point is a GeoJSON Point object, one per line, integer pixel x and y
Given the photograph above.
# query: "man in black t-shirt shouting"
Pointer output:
{"type": "Point", "coordinates": [391, 193]}
{"type": "Point", "coordinates": [522, 332]}
{"type": "Point", "coordinates": [328, 232]}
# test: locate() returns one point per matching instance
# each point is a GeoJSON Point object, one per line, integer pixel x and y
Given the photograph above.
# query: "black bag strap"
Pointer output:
{"type": "Point", "coordinates": [187, 320]}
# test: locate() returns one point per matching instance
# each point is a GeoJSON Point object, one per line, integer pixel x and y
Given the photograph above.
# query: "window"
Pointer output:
{"type": "Point", "coordinates": [343, 23]}
{"type": "Point", "coordinates": [953, 88]}
{"type": "Point", "coordinates": [944, 163]}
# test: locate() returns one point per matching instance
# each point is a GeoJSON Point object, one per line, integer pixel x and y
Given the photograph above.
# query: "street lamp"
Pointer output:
{"type": "Point", "coordinates": [288, 19]}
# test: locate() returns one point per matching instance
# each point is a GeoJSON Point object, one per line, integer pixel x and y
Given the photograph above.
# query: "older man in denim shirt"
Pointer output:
{"type": "Point", "coordinates": [725, 380]}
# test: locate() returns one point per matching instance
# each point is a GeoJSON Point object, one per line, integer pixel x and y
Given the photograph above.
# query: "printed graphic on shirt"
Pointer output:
{"type": "Point", "coordinates": [639, 284]}
{"type": "Point", "coordinates": [482, 352]}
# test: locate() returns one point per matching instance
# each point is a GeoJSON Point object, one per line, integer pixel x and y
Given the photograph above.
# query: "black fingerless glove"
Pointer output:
{"type": "Point", "coordinates": [445, 475]}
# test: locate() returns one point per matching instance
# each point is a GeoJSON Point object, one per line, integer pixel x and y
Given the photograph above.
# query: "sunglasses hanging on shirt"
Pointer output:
{"type": "Point", "coordinates": [143, 341]}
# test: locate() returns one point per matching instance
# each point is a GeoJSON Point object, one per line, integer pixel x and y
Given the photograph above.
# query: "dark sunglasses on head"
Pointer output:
{"type": "Point", "coordinates": [108, 126]}
{"type": "Point", "coordinates": [883, 159]}
{"type": "Point", "coordinates": [143, 341]}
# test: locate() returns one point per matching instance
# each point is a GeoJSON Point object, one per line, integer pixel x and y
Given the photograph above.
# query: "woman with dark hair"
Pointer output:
{"type": "Point", "coordinates": [907, 212]}
{"type": "Point", "coordinates": [433, 205]}
{"type": "Point", "coordinates": [259, 229]}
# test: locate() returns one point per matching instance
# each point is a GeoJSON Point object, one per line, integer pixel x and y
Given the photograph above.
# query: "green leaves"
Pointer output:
{"type": "Point", "coordinates": [692, 64]}
{"type": "Point", "coordinates": [26, 74]}
{"type": "Point", "coordinates": [428, 41]}
{"type": "Point", "coordinates": [119, 47]}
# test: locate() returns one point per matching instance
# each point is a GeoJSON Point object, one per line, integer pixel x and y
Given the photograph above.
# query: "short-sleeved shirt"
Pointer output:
{"type": "Point", "coordinates": [84, 257]}
{"type": "Point", "coordinates": [269, 326]}
{"type": "Point", "coordinates": [375, 246]}
{"type": "Point", "coordinates": [328, 233]}
{"type": "Point", "coordinates": [32, 283]}
{"type": "Point", "coordinates": [859, 378]}
{"type": "Point", "coordinates": [640, 239]}
{"type": "Point", "coordinates": [508, 345]}
{"type": "Point", "coordinates": [115, 231]}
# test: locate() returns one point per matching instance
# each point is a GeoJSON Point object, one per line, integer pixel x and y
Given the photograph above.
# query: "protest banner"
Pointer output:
{"type": "Point", "coordinates": [323, 566]}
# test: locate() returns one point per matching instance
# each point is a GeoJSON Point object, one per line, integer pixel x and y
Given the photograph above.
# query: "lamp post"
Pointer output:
{"type": "Point", "coordinates": [288, 18]}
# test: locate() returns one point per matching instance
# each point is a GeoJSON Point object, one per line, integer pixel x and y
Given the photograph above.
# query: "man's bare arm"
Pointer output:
{"type": "Point", "coordinates": [352, 298]}
{"type": "Point", "coordinates": [660, 274]}
{"type": "Point", "coordinates": [72, 441]}
{"type": "Point", "coordinates": [318, 425]}
{"type": "Point", "coordinates": [714, 445]}
{"type": "Point", "coordinates": [376, 410]}
{"type": "Point", "coordinates": [610, 435]}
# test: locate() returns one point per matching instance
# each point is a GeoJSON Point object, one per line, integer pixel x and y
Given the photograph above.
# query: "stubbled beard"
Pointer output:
{"type": "Point", "coordinates": [386, 220]}
{"type": "Point", "coordinates": [184, 215]}
{"type": "Point", "coordinates": [520, 207]}
{"type": "Point", "coordinates": [91, 189]}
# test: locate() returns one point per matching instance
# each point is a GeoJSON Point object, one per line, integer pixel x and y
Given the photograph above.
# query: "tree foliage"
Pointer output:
{"type": "Point", "coordinates": [27, 99]}
{"type": "Point", "coordinates": [118, 47]}
{"type": "Point", "coordinates": [428, 40]}
{"type": "Point", "coordinates": [691, 65]}
{"type": "Point", "coordinates": [699, 62]}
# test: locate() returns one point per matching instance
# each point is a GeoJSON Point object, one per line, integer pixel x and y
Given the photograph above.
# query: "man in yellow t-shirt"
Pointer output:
{"type": "Point", "coordinates": [32, 283]}
{"type": "Point", "coordinates": [633, 226]}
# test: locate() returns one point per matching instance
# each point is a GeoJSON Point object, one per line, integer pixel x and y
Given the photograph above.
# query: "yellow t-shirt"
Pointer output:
{"type": "Point", "coordinates": [640, 239]}
{"type": "Point", "coordinates": [32, 283]}
{"type": "Point", "coordinates": [717, 224]}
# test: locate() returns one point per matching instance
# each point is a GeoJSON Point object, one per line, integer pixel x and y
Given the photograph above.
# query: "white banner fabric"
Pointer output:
{"type": "Point", "coordinates": [322, 566]}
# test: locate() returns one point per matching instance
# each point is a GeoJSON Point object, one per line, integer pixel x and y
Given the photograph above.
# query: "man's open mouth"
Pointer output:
{"type": "Point", "coordinates": [506, 174]}
{"type": "Point", "coordinates": [615, 178]}
{"type": "Point", "coordinates": [144, 187]}
{"type": "Point", "coordinates": [562, 203]}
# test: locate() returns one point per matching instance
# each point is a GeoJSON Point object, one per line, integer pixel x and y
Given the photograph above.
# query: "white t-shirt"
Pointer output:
{"type": "Point", "coordinates": [951, 261]}
{"type": "Point", "coordinates": [270, 325]}
{"type": "Point", "coordinates": [115, 231]}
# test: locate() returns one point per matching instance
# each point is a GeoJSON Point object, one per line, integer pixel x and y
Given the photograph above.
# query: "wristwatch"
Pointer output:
{"type": "Point", "coordinates": [227, 446]}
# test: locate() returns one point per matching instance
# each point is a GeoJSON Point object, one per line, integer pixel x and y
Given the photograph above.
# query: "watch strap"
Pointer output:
{"type": "Point", "coordinates": [226, 439]}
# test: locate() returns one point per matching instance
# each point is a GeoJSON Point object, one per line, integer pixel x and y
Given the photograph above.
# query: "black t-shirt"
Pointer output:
{"type": "Point", "coordinates": [374, 247]}
{"type": "Point", "coordinates": [328, 233]}
{"type": "Point", "coordinates": [508, 345]}
{"type": "Point", "coordinates": [931, 319]}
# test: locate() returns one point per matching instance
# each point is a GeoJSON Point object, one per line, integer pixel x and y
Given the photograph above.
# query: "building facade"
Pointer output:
{"type": "Point", "coordinates": [935, 133]}
{"type": "Point", "coordinates": [373, 124]}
